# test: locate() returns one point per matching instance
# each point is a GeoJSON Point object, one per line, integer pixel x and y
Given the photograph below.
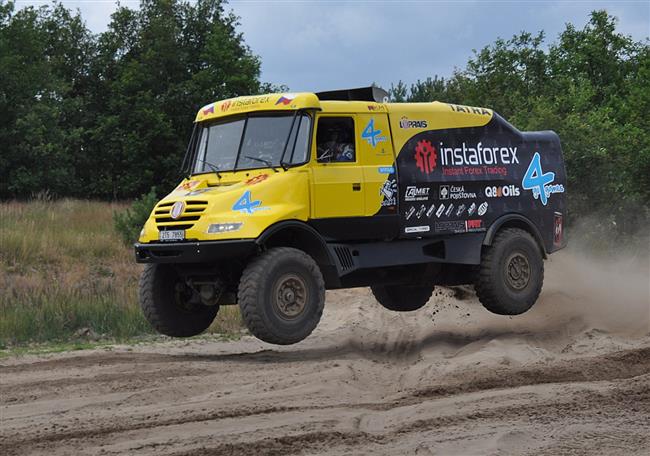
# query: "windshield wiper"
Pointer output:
{"type": "Point", "coordinates": [213, 167]}
{"type": "Point", "coordinates": [266, 162]}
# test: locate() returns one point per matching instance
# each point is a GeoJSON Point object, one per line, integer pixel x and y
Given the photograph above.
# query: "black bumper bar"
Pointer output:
{"type": "Point", "coordinates": [193, 252]}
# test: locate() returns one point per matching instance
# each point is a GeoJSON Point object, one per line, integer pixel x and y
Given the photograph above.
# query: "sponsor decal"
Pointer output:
{"type": "Point", "coordinates": [476, 160]}
{"type": "Point", "coordinates": [246, 205]}
{"type": "Point", "coordinates": [449, 210]}
{"type": "Point", "coordinates": [455, 226]}
{"type": "Point", "coordinates": [177, 209]}
{"type": "Point", "coordinates": [389, 192]}
{"type": "Point", "coordinates": [430, 211]}
{"type": "Point", "coordinates": [460, 226]}
{"type": "Point", "coordinates": [558, 233]}
{"type": "Point", "coordinates": [477, 155]}
{"type": "Point", "coordinates": [474, 225]}
{"type": "Point", "coordinates": [371, 135]}
{"type": "Point", "coordinates": [460, 210]}
{"type": "Point", "coordinates": [425, 157]}
{"type": "Point", "coordinates": [198, 191]}
{"type": "Point", "coordinates": [421, 211]}
{"type": "Point", "coordinates": [440, 210]}
{"type": "Point", "coordinates": [414, 193]}
{"type": "Point", "coordinates": [482, 209]}
{"type": "Point", "coordinates": [539, 182]}
{"type": "Point", "coordinates": [208, 110]}
{"type": "Point", "coordinates": [405, 123]}
{"type": "Point", "coordinates": [469, 109]}
{"type": "Point", "coordinates": [386, 169]}
{"type": "Point", "coordinates": [239, 104]}
{"type": "Point", "coordinates": [285, 99]}
{"type": "Point", "coordinates": [501, 171]}
{"type": "Point", "coordinates": [377, 107]}
{"type": "Point", "coordinates": [455, 192]}
{"type": "Point", "coordinates": [410, 212]}
{"type": "Point", "coordinates": [188, 185]}
{"type": "Point", "coordinates": [471, 209]}
{"type": "Point", "coordinates": [417, 229]}
{"type": "Point", "coordinates": [492, 191]}
{"type": "Point", "coordinates": [256, 179]}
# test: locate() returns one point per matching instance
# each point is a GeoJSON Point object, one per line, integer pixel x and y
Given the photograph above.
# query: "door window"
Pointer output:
{"type": "Point", "coordinates": [335, 140]}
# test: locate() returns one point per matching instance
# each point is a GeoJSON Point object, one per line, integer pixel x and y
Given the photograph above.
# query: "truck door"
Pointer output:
{"type": "Point", "coordinates": [337, 178]}
{"type": "Point", "coordinates": [377, 158]}
{"type": "Point", "coordinates": [354, 185]}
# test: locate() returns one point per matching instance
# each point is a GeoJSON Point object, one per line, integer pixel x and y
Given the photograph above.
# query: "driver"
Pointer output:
{"type": "Point", "coordinates": [337, 148]}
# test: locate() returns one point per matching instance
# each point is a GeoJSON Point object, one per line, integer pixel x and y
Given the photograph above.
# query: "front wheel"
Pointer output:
{"type": "Point", "coordinates": [402, 298]}
{"type": "Point", "coordinates": [511, 273]}
{"type": "Point", "coordinates": [281, 295]}
{"type": "Point", "coordinates": [170, 306]}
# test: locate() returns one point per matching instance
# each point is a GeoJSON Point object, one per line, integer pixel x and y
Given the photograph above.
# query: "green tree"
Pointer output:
{"type": "Point", "coordinates": [43, 76]}
{"type": "Point", "coordinates": [110, 115]}
{"type": "Point", "coordinates": [156, 66]}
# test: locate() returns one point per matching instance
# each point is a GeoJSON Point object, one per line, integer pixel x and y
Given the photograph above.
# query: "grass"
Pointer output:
{"type": "Point", "coordinates": [67, 278]}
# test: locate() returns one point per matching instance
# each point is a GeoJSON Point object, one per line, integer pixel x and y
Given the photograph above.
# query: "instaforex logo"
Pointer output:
{"type": "Point", "coordinates": [425, 157]}
{"type": "Point", "coordinates": [477, 155]}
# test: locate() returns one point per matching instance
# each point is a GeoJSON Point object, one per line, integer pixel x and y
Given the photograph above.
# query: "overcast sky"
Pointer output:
{"type": "Point", "coordinates": [320, 45]}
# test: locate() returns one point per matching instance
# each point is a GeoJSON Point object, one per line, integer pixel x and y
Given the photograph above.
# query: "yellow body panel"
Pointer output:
{"type": "Point", "coordinates": [260, 198]}
{"type": "Point", "coordinates": [281, 196]}
{"type": "Point", "coordinates": [438, 116]}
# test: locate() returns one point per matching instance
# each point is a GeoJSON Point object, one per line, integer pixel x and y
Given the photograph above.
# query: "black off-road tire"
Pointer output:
{"type": "Point", "coordinates": [267, 281]}
{"type": "Point", "coordinates": [165, 308]}
{"type": "Point", "coordinates": [402, 298]}
{"type": "Point", "coordinates": [501, 284]}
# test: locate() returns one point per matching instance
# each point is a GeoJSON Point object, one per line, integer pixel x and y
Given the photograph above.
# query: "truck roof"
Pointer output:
{"type": "Point", "coordinates": [363, 100]}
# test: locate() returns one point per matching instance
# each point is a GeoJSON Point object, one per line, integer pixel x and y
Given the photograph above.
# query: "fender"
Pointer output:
{"type": "Point", "coordinates": [319, 248]}
{"type": "Point", "coordinates": [294, 233]}
{"type": "Point", "coordinates": [516, 220]}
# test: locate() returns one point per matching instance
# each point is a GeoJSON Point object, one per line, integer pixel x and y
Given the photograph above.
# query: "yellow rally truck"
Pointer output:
{"type": "Point", "coordinates": [288, 195]}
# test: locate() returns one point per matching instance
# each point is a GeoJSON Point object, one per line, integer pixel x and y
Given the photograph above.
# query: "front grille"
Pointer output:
{"type": "Point", "coordinates": [192, 213]}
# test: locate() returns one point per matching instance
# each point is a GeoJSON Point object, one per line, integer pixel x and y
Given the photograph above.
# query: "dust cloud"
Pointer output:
{"type": "Point", "coordinates": [609, 294]}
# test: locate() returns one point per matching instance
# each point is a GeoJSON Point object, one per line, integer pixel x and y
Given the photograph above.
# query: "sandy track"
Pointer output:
{"type": "Point", "coordinates": [572, 376]}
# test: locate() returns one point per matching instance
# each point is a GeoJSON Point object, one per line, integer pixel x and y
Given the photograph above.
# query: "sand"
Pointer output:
{"type": "Point", "coordinates": [570, 377]}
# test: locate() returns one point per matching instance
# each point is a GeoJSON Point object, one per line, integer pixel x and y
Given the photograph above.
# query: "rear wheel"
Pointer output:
{"type": "Point", "coordinates": [511, 273]}
{"type": "Point", "coordinates": [281, 295]}
{"type": "Point", "coordinates": [402, 298]}
{"type": "Point", "coordinates": [170, 306]}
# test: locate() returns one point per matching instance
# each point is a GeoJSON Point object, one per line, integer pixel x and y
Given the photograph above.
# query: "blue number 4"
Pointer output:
{"type": "Point", "coordinates": [370, 134]}
{"type": "Point", "coordinates": [535, 179]}
{"type": "Point", "coordinates": [245, 204]}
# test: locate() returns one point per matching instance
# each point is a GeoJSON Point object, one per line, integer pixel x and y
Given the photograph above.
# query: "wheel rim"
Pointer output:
{"type": "Point", "coordinates": [517, 271]}
{"type": "Point", "coordinates": [290, 296]}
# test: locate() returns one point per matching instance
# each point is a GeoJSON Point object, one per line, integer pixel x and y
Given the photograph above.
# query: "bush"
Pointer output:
{"type": "Point", "coordinates": [129, 223]}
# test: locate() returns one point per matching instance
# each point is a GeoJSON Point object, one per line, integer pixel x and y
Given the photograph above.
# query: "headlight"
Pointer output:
{"type": "Point", "coordinates": [224, 227]}
{"type": "Point", "coordinates": [142, 232]}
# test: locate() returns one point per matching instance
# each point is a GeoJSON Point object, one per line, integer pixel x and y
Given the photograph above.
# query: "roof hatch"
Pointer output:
{"type": "Point", "coordinates": [372, 93]}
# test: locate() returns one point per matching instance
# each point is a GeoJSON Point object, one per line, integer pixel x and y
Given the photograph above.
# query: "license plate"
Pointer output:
{"type": "Point", "coordinates": [172, 235]}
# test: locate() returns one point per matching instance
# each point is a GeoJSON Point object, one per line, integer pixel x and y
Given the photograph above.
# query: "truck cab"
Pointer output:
{"type": "Point", "coordinates": [308, 191]}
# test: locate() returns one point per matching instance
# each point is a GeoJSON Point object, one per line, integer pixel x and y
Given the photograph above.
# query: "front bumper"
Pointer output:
{"type": "Point", "coordinates": [193, 252]}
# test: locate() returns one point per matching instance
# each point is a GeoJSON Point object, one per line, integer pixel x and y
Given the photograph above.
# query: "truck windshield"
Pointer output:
{"type": "Point", "coordinates": [253, 142]}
